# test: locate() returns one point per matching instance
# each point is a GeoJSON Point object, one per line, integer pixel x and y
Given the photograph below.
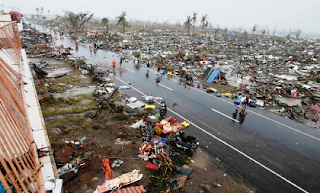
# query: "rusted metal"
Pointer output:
{"type": "Point", "coordinates": [5, 183]}
{"type": "Point", "coordinates": [42, 92]}
{"type": "Point", "coordinates": [10, 33]}
{"type": "Point", "coordinates": [19, 162]}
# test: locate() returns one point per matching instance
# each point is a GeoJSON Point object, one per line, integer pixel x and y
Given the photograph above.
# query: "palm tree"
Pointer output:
{"type": "Point", "coordinates": [245, 35]}
{"type": "Point", "coordinates": [194, 21]}
{"type": "Point", "coordinates": [188, 23]}
{"type": "Point", "coordinates": [297, 33]}
{"type": "Point", "coordinates": [37, 10]}
{"type": "Point", "coordinates": [254, 29]}
{"type": "Point", "coordinates": [105, 22]}
{"type": "Point", "coordinates": [178, 24]}
{"type": "Point", "coordinates": [121, 20]}
{"type": "Point", "coordinates": [204, 22]}
{"type": "Point", "coordinates": [216, 31]}
{"type": "Point", "coordinates": [225, 33]}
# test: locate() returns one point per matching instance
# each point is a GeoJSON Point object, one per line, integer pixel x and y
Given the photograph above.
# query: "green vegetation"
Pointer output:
{"type": "Point", "coordinates": [76, 118]}
{"type": "Point", "coordinates": [158, 179]}
{"type": "Point", "coordinates": [58, 106]}
{"type": "Point", "coordinates": [86, 124]}
{"type": "Point", "coordinates": [136, 54]}
{"type": "Point", "coordinates": [88, 154]}
{"type": "Point", "coordinates": [65, 80]}
{"type": "Point", "coordinates": [68, 129]}
{"type": "Point", "coordinates": [55, 123]}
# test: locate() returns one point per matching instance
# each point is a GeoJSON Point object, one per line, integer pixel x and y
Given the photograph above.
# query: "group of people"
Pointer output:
{"type": "Point", "coordinates": [114, 62]}
{"type": "Point", "coordinates": [244, 101]}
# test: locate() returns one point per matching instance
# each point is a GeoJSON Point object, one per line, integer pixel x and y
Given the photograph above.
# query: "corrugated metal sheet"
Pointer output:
{"type": "Point", "coordinates": [19, 163]}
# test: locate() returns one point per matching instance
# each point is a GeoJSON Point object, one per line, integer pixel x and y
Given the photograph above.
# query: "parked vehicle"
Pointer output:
{"type": "Point", "coordinates": [185, 143]}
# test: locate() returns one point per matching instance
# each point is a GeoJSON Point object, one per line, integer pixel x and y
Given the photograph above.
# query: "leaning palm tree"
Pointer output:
{"type": "Point", "coordinates": [188, 23]}
{"type": "Point", "coordinates": [105, 23]}
{"type": "Point", "coordinates": [121, 20]}
{"type": "Point", "coordinates": [194, 21]}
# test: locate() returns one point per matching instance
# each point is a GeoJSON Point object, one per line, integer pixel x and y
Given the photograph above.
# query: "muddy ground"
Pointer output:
{"type": "Point", "coordinates": [70, 119]}
{"type": "Point", "coordinates": [221, 88]}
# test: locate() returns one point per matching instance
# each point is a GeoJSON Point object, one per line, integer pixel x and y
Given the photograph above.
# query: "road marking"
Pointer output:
{"type": "Point", "coordinates": [225, 115]}
{"type": "Point", "coordinates": [164, 86]}
{"type": "Point", "coordinates": [306, 134]}
{"type": "Point", "coordinates": [227, 144]}
{"type": "Point", "coordinates": [130, 70]}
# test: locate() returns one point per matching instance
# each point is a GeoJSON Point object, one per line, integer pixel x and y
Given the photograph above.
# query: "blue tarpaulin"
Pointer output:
{"type": "Point", "coordinates": [214, 75]}
{"type": "Point", "coordinates": [3, 190]}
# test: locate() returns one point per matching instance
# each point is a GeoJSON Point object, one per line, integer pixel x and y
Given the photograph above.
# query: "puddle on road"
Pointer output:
{"type": "Point", "coordinates": [74, 92]}
{"type": "Point", "coordinates": [200, 158]}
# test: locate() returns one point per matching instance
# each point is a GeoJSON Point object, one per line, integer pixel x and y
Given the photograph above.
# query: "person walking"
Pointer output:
{"type": "Point", "coordinates": [113, 63]}
{"type": "Point", "coordinates": [120, 60]}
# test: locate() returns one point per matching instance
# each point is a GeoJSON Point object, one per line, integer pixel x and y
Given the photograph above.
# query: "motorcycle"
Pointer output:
{"type": "Point", "coordinates": [186, 143]}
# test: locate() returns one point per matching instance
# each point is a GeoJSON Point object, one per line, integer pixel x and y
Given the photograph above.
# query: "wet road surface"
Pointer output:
{"type": "Point", "coordinates": [271, 152]}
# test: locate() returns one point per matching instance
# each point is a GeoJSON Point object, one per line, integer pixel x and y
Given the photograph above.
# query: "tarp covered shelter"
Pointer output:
{"type": "Point", "coordinates": [215, 75]}
{"type": "Point", "coordinates": [211, 74]}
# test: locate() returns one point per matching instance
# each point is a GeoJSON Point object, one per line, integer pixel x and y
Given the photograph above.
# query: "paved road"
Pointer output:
{"type": "Point", "coordinates": [273, 153]}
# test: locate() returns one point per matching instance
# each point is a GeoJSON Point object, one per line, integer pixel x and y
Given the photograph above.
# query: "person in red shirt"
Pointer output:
{"type": "Point", "coordinates": [113, 63]}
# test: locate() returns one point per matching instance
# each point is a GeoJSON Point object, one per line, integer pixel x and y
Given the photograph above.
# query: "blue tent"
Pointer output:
{"type": "Point", "coordinates": [216, 74]}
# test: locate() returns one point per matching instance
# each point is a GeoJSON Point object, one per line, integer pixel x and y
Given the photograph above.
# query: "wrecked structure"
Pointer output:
{"type": "Point", "coordinates": [25, 154]}
{"type": "Point", "coordinates": [267, 66]}
{"type": "Point", "coordinates": [94, 127]}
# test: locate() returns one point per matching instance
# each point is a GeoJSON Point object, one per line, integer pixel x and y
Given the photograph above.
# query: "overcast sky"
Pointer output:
{"type": "Point", "coordinates": [283, 14]}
